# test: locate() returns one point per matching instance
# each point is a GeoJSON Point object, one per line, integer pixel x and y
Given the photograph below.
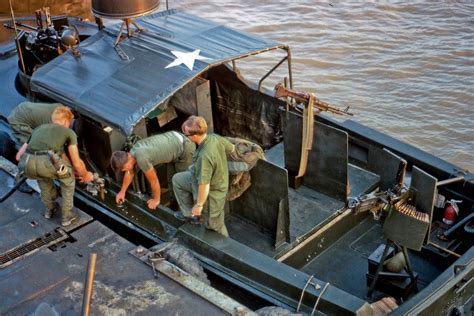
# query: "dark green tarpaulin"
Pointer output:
{"type": "Point", "coordinates": [120, 87]}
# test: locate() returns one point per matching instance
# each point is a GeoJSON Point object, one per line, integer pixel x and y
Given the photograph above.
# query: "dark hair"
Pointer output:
{"type": "Point", "coordinates": [118, 160]}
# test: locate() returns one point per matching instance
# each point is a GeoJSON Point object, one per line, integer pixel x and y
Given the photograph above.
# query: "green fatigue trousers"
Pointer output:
{"type": "Point", "coordinates": [186, 191]}
{"type": "Point", "coordinates": [180, 165]}
{"type": "Point", "coordinates": [39, 167]}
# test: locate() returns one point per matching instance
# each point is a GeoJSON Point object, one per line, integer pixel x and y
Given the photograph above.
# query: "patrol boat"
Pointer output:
{"type": "Point", "coordinates": [339, 219]}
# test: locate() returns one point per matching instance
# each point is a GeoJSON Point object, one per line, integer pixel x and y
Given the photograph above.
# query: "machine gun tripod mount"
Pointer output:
{"type": "Point", "coordinates": [404, 227]}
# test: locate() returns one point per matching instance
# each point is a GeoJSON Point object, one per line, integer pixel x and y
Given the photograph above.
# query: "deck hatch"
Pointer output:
{"type": "Point", "coordinates": [31, 246]}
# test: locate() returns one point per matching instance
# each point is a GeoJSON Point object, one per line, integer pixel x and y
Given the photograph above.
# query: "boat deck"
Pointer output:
{"type": "Point", "coordinates": [49, 279]}
{"type": "Point", "coordinates": [9, 70]}
{"type": "Point", "coordinates": [309, 209]}
{"type": "Point", "coordinates": [345, 263]}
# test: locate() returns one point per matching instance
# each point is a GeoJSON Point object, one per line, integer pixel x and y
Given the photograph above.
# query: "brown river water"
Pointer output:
{"type": "Point", "coordinates": [406, 69]}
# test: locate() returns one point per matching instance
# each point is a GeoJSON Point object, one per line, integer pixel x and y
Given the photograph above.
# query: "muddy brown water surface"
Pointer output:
{"type": "Point", "coordinates": [406, 69]}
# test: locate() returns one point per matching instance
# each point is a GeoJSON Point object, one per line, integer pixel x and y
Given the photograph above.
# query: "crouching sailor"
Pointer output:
{"type": "Point", "coordinates": [202, 190]}
{"type": "Point", "coordinates": [43, 159]}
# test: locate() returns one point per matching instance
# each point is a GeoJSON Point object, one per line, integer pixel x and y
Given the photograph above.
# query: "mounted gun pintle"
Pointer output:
{"type": "Point", "coordinates": [304, 97]}
{"type": "Point", "coordinates": [124, 10]}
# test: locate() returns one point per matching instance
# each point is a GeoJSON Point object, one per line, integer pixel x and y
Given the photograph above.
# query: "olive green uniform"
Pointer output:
{"type": "Point", "coordinates": [209, 167]}
{"type": "Point", "coordinates": [27, 116]}
{"type": "Point", "coordinates": [37, 164]}
{"type": "Point", "coordinates": [171, 148]}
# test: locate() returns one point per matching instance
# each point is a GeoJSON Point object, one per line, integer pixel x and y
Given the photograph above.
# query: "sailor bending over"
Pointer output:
{"type": "Point", "coordinates": [170, 148]}
{"type": "Point", "coordinates": [43, 159]}
{"type": "Point", "coordinates": [27, 116]}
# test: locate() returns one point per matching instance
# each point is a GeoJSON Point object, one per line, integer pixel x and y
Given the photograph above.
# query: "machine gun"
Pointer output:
{"type": "Point", "coordinates": [399, 198]}
{"type": "Point", "coordinates": [304, 97]}
{"type": "Point", "coordinates": [376, 201]}
{"type": "Point", "coordinates": [50, 38]}
{"type": "Point", "coordinates": [404, 224]}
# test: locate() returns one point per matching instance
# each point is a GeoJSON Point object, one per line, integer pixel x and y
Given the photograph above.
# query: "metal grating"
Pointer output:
{"type": "Point", "coordinates": [31, 246]}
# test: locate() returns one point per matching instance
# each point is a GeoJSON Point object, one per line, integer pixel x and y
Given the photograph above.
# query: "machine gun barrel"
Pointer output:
{"type": "Point", "coordinates": [303, 97]}
{"type": "Point", "coordinates": [19, 24]}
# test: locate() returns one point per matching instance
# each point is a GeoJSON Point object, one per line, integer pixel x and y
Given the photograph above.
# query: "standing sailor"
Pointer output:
{"type": "Point", "coordinates": [203, 188]}
{"type": "Point", "coordinates": [171, 148]}
{"type": "Point", "coordinates": [43, 158]}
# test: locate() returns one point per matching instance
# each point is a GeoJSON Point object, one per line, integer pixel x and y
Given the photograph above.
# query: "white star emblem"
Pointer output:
{"type": "Point", "coordinates": [186, 58]}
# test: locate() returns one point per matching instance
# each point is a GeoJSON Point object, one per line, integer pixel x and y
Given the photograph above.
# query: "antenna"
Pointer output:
{"type": "Point", "coordinates": [17, 40]}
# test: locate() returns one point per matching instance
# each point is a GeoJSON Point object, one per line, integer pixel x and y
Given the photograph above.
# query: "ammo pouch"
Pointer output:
{"type": "Point", "coordinates": [62, 169]}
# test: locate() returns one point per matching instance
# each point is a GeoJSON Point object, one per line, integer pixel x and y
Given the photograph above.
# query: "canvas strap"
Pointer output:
{"type": "Point", "coordinates": [306, 135]}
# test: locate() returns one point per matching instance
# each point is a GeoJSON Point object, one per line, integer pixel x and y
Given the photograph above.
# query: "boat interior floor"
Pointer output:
{"type": "Point", "coordinates": [250, 234]}
{"type": "Point", "coordinates": [309, 209]}
{"type": "Point", "coordinates": [345, 263]}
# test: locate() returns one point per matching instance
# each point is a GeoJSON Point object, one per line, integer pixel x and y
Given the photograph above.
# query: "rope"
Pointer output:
{"type": "Point", "coordinates": [319, 297]}
{"type": "Point", "coordinates": [302, 293]}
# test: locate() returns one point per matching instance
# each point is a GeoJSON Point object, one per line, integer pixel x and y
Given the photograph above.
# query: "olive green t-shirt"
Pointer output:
{"type": "Point", "coordinates": [51, 137]}
{"type": "Point", "coordinates": [210, 163]}
{"type": "Point", "coordinates": [32, 114]}
{"type": "Point", "coordinates": [158, 149]}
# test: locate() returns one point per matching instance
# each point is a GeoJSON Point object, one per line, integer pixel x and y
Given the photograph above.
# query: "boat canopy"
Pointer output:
{"type": "Point", "coordinates": [121, 85]}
